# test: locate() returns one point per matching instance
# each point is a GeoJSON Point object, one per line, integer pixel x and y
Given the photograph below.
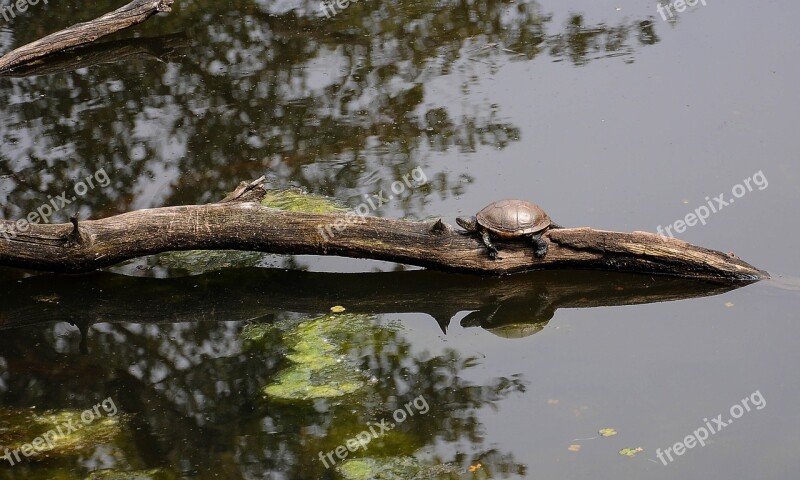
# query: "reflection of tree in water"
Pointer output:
{"type": "Point", "coordinates": [336, 106]}
{"type": "Point", "coordinates": [195, 397]}
{"type": "Point", "coordinates": [581, 43]}
{"type": "Point", "coordinates": [195, 393]}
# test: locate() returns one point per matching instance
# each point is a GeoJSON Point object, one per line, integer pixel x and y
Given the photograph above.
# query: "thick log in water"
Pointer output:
{"type": "Point", "coordinates": [240, 222]}
{"type": "Point", "coordinates": [131, 14]}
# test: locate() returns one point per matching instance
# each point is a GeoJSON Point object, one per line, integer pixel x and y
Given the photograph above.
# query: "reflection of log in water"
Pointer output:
{"type": "Point", "coordinates": [250, 294]}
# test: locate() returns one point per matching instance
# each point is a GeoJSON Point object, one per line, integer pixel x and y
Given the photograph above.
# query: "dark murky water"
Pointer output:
{"type": "Point", "coordinates": [604, 114]}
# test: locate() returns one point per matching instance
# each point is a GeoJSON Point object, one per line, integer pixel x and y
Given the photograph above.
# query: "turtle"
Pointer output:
{"type": "Point", "coordinates": [510, 219]}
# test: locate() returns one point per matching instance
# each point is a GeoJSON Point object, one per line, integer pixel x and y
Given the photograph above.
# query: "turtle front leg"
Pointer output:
{"type": "Point", "coordinates": [487, 240]}
{"type": "Point", "coordinates": [539, 245]}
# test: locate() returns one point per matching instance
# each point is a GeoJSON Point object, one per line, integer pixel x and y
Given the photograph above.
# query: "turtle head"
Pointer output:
{"type": "Point", "coordinates": [469, 224]}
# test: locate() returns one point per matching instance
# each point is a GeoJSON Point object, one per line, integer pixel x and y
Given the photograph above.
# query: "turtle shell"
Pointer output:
{"type": "Point", "coordinates": [513, 218]}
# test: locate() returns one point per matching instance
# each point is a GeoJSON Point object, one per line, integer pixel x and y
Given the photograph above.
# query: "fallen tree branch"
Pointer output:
{"type": "Point", "coordinates": [133, 13]}
{"type": "Point", "coordinates": [116, 51]}
{"type": "Point", "coordinates": [240, 222]}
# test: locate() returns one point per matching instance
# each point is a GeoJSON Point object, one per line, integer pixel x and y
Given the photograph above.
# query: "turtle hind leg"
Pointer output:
{"type": "Point", "coordinates": [539, 245]}
{"type": "Point", "coordinates": [487, 240]}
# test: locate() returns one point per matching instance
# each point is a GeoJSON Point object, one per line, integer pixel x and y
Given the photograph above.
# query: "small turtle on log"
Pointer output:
{"type": "Point", "coordinates": [509, 219]}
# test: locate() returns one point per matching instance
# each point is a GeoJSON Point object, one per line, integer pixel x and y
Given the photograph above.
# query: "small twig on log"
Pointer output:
{"type": "Point", "coordinates": [246, 191]}
{"type": "Point", "coordinates": [133, 13]}
{"type": "Point", "coordinates": [242, 223]}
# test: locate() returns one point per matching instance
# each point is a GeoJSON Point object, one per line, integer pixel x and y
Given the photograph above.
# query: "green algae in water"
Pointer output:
{"type": "Point", "coordinates": [154, 474]}
{"type": "Point", "coordinates": [393, 468]}
{"type": "Point", "coordinates": [29, 428]}
{"type": "Point", "coordinates": [196, 262]}
{"type": "Point", "coordinates": [320, 365]}
{"type": "Point", "coordinates": [257, 332]}
{"type": "Point", "coordinates": [297, 200]}
{"type": "Point", "coordinates": [43, 474]}
{"type": "Point", "coordinates": [303, 383]}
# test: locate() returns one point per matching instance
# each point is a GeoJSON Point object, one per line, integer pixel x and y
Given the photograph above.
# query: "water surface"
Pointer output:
{"type": "Point", "coordinates": [604, 114]}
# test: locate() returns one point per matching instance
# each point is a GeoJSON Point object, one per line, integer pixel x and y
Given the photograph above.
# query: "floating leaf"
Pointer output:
{"type": "Point", "coordinates": [574, 448]}
{"type": "Point", "coordinates": [729, 304]}
{"type": "Point", "coordinates": [629, 452]}
{"type": "Point", "coordinates": [337, 309]}
{"type": "Point", "coordinates": [607, 432]}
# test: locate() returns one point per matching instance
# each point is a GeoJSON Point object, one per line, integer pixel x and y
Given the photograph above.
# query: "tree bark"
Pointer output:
{"type": "Point", "coordinates": [133, 13]}
{"type": "Point", "coordinates": [240, 222]}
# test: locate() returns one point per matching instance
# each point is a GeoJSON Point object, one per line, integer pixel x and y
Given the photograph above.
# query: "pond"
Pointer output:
{"type": "Point", "coordinates": [626, 116]}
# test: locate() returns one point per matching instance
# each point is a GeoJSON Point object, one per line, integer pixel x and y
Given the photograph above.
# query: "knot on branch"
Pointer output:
{"type": "Point", "coordinates": [164, 5]}
{"type": "Point", "coordinates": [440, 227]}
{"type": "Point", "coordinates": [76, 237]}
